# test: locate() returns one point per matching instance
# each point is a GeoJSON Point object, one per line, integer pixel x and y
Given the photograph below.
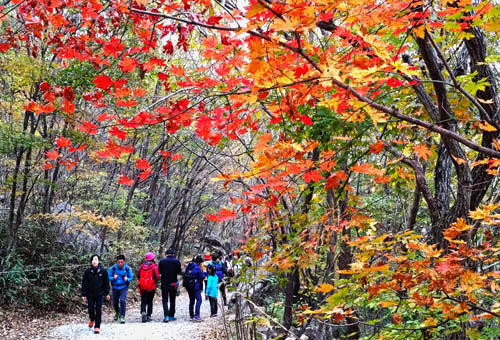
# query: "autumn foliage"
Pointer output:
{"type": "Point", "coordinates": [374, 137]}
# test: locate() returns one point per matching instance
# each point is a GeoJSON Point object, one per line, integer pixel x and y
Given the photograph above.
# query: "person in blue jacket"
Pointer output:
{"type": "Point", "coordinates": [120, 275]}
{"type": "Point", "coordinates": [212, 289]}
{"type": "Point", "coordinates": [197, 275]}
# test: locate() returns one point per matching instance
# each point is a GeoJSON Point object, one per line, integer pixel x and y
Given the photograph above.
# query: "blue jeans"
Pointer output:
{"type": "Point", "coordinates": [120, 296]}
{"type": "Point", "coordinates": [194, 295]}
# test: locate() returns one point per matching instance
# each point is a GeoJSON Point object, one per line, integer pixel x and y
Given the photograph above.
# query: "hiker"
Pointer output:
{"type": "Point", "coordinates": [212, 289]}
{"type": "Point", "coordinates": [193, 281]}
{"type": "Point", "coordinates": [222, 286]}
{"type": "Point", "coordinates": [95, 286]}
{"type": "Point", "coordinates": [219, 269]}
{"type": "Point", "coordinates": [169, 268]}
{"type": "Point", "coordinates": [120, 275]}
{"type": "Point", "coordinates": [147, 276]}
{"type": "Point", "coordinates": [204, 266]}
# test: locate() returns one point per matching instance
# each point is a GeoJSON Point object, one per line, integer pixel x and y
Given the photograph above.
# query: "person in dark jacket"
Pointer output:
{"type": "Point", "coordinates": [195, 293]}
{"type": "Point", "coordinates": [169, 268]}
{"type": "Point", "coordinates": [221, 271]}
{"type": "Point", "coordinates": [150, 274]}
{"type": "Point", "coordinates": [95, 286]}
{"type": "Point", "coordinates": [120, 275]}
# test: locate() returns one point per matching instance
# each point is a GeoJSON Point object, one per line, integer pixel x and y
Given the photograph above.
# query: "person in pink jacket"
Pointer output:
{"type": "Point", "coordinates": [147, 275]}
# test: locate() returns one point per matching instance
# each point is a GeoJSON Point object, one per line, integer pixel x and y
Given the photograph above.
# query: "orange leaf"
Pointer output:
{"type": "Point", "coordinates": [487, 126]}
{"type": "Point", "coordinates": [367, 168]}
{"type": "Point", "coordinates": [422, 151]}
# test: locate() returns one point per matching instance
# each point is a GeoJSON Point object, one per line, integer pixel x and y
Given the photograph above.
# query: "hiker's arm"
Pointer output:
{"type": "Point", "coordinates": [110, 274]}
{"type": "Point", "coordinates": [130, 274]}
{"type": "Point", "coordinates": [105, 281]}
{"type": "Point", "coordinates": [84, 285]}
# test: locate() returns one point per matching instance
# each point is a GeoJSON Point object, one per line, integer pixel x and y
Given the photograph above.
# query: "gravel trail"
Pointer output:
{"type": "Point", "coordinates": [134, 329]}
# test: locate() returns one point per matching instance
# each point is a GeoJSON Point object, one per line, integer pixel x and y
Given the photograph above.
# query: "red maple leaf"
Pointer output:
{"type": "Point", "coordinates": [68, 107]}
{"type": "Point", "coordinates": [145, 174]}
{"type": "Point", "coordinates": [120, 134]}
{"type": "Point", "coordinates": [312, 176]}
{"type": "Point", "coordinates": [142, 164]}
{"type": "Point", "coordinates": [88, 127]}
{"type": "Point", "coordinates": [221, 216]}
{"type": "Point", "coordinates": [112, 47]}
{"type": "Point", "coordinates": [105, 116]}
{"type": "Point", "coordinates": [103, 82]}
{"type": "Point", "coordinates": [125, 180]}
{"type": "Point", "coordinates": [52, 155]}
{"type": "Point", "coordinates": [48, 166]}
{"type": "Point", "coordinates": [176, 157]}
{"type": "Point", "coordinates": [127, 65]}
{"type": "Point", "coordinates": [63, 142]}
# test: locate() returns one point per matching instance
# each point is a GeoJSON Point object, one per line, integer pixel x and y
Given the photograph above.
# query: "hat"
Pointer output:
{"type": "Point", "coordinates": [169, 251]}
{"type": "Point", "coordinates": [150, 256]}
{"type": "Point", "coordinates": [208, 257]}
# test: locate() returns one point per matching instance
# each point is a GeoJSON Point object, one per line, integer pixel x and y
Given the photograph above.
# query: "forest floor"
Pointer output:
{"type": "Point", "coordinates": [74, 326]}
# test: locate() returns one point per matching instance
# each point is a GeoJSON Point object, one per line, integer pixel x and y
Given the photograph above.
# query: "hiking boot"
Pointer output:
{"type": "Point", "coordinates": [149, 318]}
{"type": "Point", "coordinates": [197, 318]}
{"type": "Point", "coordinates": [172, 318]}
{"type": "Point", "coordinates": [91, 324]}
{"type": "Point", "coordinates": [116, 316]}
{"type": "Point", "coordinates": [97, 330]}
{"type": "Point", "coordinates": [122, 318]}
{"type": "Point", "coordinates": [166, 319]}
{"type": "Point", "coordinates": [144, 317]}
{"type": "Point", "coordinates": [213, 315]}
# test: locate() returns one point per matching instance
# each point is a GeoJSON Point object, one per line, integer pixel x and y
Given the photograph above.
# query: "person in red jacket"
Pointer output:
{"type": "Point", "coordinates": [148, 275]}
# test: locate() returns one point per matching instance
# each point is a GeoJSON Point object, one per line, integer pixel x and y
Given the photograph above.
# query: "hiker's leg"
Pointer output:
{"type": "Point", "coordinates": [198, 302]}
{"type": "Point", "coordinates": [223, 292]}
{"type": "Point", "coordinates": [191, 303]}
{"type": "Point", "coordinates": [164, 300]}
{"type": "Point", "coordinates": [144, 301]}
{"type": "Point", "coordinates": [150, 297]}
{"type": "Point", "coordinates": [116, 300]}
{"type": "Point", "coordinates": [123, 300]}
{"type": "Point", "coordinates": [98, 311]}
{"type": "Point", "coordinates": [91, 307]}
{"type": "Point", "coordinates": [172, 294]}
{"type": "Point", "coordinates": [213, 305]}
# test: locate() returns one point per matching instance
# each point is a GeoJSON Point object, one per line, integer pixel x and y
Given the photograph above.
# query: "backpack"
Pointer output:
{"type": "Point", "coordinates": [146, 281]}
{"type": "Point", "coordinates": [188, 279]}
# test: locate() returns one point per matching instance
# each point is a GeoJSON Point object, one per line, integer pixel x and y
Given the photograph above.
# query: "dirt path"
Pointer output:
{"type": "Point", "coordinates": [134, 329]}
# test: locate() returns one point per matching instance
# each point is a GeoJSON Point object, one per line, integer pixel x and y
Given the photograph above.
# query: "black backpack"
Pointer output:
{"type": "Point", "coordinates": [188, 279]}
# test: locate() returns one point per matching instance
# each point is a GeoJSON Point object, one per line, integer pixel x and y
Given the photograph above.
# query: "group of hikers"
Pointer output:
{"type": "Point", "coordinates": [203, 274]}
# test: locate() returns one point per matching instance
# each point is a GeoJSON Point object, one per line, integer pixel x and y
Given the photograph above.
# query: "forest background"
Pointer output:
{"type": "Point", "coordinates": [351, 144]}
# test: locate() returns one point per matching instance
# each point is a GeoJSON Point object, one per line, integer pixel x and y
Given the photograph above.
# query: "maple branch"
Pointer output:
{"type": "Point", "coordinates": [473, 100]}
{"type": "Point", "coordinates": [186, 21]}
{"type": "Point", "coordinates": [470, 304]}
{"type": "Point", "coordinates": [426, 125]}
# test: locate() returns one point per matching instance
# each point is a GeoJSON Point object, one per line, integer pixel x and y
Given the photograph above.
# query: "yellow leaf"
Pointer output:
{"type": "Point", "coordinates": [255, 9]}
{"type": "Point", "coordinates": [420, 31]}
{"type": "Point", "coordinates": [388, 303]}
{"type": "Point", "coordinates": [325, 288]}
{"type": "Point", "coordinates": [487, 127]}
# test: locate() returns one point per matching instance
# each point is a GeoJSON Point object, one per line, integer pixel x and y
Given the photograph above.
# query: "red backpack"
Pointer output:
{"type": "Point", "coordinates": [146, 281]}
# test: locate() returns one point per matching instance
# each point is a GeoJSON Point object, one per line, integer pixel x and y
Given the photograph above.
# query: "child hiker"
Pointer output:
{"type": "Point", "coordinates": [95, 286]}
{"type": "Point", "coordinates": [212, 289]}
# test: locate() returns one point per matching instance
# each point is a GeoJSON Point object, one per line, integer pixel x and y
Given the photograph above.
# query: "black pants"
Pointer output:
{"type": "Point", "coordinates": [147, 301]}
{"type": "Point", "coordinates": [213, 305]}
{"type": "Point", "coordinates": [222, 289]}
{"type": "Point", "coordinates": [94, 304]}
{"type": "Point", "coordinates": [168, 292]}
